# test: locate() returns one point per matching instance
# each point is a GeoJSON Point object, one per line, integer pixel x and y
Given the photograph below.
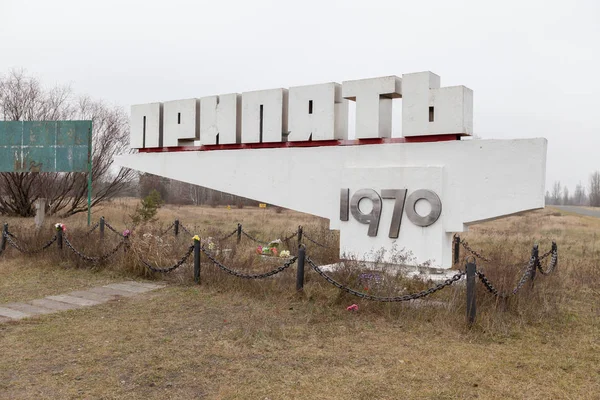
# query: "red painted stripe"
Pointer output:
{"type": "Point", "coordinates": [315, 143]}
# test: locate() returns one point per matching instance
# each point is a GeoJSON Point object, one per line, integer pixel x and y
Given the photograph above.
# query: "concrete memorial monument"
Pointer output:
{"type": "Point", "coordinates": [412, 192]}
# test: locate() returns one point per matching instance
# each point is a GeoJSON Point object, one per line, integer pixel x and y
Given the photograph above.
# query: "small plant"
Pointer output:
{"type": "Point", "coordinates": [148, 208]}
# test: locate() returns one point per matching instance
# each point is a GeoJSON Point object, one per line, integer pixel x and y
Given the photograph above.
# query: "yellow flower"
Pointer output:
{"type": "Point", "coordinates": [196, 238]}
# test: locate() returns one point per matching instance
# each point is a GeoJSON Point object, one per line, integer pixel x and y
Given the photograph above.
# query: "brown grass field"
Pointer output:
{"type": "Point", "coordinates": [236, 339]}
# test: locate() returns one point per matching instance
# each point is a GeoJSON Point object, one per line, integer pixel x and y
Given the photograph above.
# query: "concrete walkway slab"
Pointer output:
{"type": "Point", "coordinates": [111, 292]}
{"type": "Point", "coordinates": [53, 305]}
{"type": "Point", "coordinates": [29, 308]}
{"type": "Point", "coordinates": [14, 314]}
{"type": "Point", "coordinates": [146, 285]}
{"type": "Point", "coordinates": [74, 300]}
{"type": "Point", "coordinates": [86, 294]}
{"type": "Point", "coordinates": [128, 288]}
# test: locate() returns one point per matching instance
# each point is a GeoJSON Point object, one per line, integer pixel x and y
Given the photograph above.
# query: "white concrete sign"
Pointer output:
{"type": "Point", "coordinates": [290, 148]}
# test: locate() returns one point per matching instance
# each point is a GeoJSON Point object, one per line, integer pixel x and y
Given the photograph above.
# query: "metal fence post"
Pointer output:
{"type": "Point", "coordinates": [300, 231]}
{"type": "Point", "coordinates": [102, 222]}
{"type": "Point", "coordinates": [300, 268]}
{"type": "Point", "coordinates": [456, 249]}
{"type": "Point", "coordinates": [176, 227]}
{"type": "Point", "coordinates": [471, 305]}
{"type": "Point", "coordinates": [536, 261]}
{"type": "Point", "coordinates": [197, 261]}
{"type": "Point", "coordinates": [59, 238]}
{"type": "Point", "coordinates": [239, 233]}
{"type": "Point", "coordinates": [125, 244]}
{"type": "Point", "coordinates": [3, 240]}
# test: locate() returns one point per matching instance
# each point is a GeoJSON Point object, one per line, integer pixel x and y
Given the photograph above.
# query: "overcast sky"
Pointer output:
{"type": "Point", "coordinates": [534, 66]}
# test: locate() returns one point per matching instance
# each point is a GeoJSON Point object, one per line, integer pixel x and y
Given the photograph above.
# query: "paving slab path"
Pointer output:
{"type": "Point", "coordinates": [73, 300]}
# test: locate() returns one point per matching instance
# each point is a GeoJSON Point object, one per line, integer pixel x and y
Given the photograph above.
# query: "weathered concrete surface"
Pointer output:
{"type": "Point", "coordinates": [29, 308]}
{"type": "Point", "coordinates": [53, 304]}
{"type": "Point", "coordinates": [128, 287]}
{"type": "Point", "coordinates": [85, 294]}
{"type": "Point", "coordinates": [73, 300]}
{"type": "Point", "coordinates": [13, 314]}
{"type": "Point", "coordinates": [146, 285]}
{"type": "Point", "coordinates": [102, 290]}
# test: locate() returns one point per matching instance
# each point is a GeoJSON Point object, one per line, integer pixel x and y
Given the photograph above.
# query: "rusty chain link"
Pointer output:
{"type": "Point", "coordinates": [228, 235]}
{"type": "Point", "coordinates": [11, 239]}
{"type": "Point", "coordinates": [406, 297]}
{"type": "Point", "coordinates": [305, 236]}
{"type": "Point", "coordinates": [553, 260]}
{"type": "Point", "coordinates": [465, 244]}
{"type": "Point", "coordinates": [106, 224]}
{"type": "Point", "coordinates": [167, 230]}
{"type": "Point", "coordinates": [93, 228]}
{"type": "Point", "coordinates": [185, 229]}
{"type": "Point", "coordinates": [293, 235]}
{"type": "Point", "coordinates": [253, 238]}
{"type": "Point", "coordinates": [230, 271]}
{"type": "Point", "coordinates": [169, 269]}
{"type": "Point", "coordinates": [93, 259]}
{"type": "Point", "coordinates": [492, 289]}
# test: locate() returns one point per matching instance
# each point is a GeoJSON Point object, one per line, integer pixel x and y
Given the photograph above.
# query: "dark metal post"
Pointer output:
{"type": "Point", "coordinates": [456, 249]}
{"type": "Point", "coordinates": [125, 243]}
{"type": "Point", "coordinates": [536, 261]}
{"type": "Point", "coordinates": [3, 240]}
{"type": "Point", "coordinates": [471, 306]}
{"type": "Point", "coordinates": [176, 227]}
{"type": "Point", "coordinates": [59, 239]}
{"type": "Point", "coordinates": [239, 233]}
{"type": "Point", "coordinates": [300, 268]}
{"type": "Point", "coordinates": [197, 261]}
{"type": "Point", "coordinates": [300, 236]}
{"type": "Point", "coordinates": [102, 227]}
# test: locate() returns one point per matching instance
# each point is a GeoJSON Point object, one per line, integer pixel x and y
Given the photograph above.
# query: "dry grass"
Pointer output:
{"type": "Point", "coordinates": [234, 339]}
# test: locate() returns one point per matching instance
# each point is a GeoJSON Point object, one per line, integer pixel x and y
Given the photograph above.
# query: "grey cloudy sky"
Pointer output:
{"type": "Point", "coordinates": [533, 65]}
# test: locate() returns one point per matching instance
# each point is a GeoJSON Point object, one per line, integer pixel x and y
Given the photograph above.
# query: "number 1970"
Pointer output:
{"type": "Point", "coordinates": [351, 204]}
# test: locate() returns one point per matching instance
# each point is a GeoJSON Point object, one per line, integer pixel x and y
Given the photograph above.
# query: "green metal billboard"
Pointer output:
{"type": "Point", "coordinates": [45, 146]}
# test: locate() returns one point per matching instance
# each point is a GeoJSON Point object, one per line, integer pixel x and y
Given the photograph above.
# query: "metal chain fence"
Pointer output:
{"type": "Point", "coordinates": [166, 270]}
{"type": "Point", "coordinates": [230, 271]}
{"type": "Point", "coordinates": [406, 297]}
{"type": "Point", "coordinates": [553, 261]}
{"type": "Point", "coordinates": [492, 289]}
{"type": "Point", "coordinates": [186, 230]}
{"type": "Point", "coordinates": [93, 228]}
{"type": "Point", "coordinates": [11, 239]}
{"type": "Point", "coordinates": [465, 244]}
{"type": "Point", "coordinates": [90, 258]}
{"type": "Point", "coordinates": [305, 236]}
{"type": "Point", "coordinates": [109, 226]}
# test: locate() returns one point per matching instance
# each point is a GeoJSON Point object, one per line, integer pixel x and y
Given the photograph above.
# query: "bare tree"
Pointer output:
{"type": "Point", "coordinates": [22, 98]}
{"type": "Point", "coordinates": [566, 200]}
{"type": "Point", "coordinates": [595, 189]}
{"type": "Point", "coordinates": [579, 197]}
{"type": "Point", "coordinates": [556, 193]}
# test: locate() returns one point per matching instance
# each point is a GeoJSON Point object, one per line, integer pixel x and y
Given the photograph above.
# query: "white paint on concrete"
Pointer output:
{"type": "Point", "coordinates": [146, 125]}
{"type": "Point", "coordinates": [181, 122]}
{"type": "Point", "coordinates": [271, 122]}
{"type": "Point", "coordinates": [233, 122]}
{"type": "Point", "coordinates": [373, 99]}
{"type": "Point", "coordinates": [317, 112]}
{"type": "Point", "coordinates": [220, 121]}
{"type": "Point", "coordinates": [476, 180]}
{"type": "Point", "coordinates": [451, 107]}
